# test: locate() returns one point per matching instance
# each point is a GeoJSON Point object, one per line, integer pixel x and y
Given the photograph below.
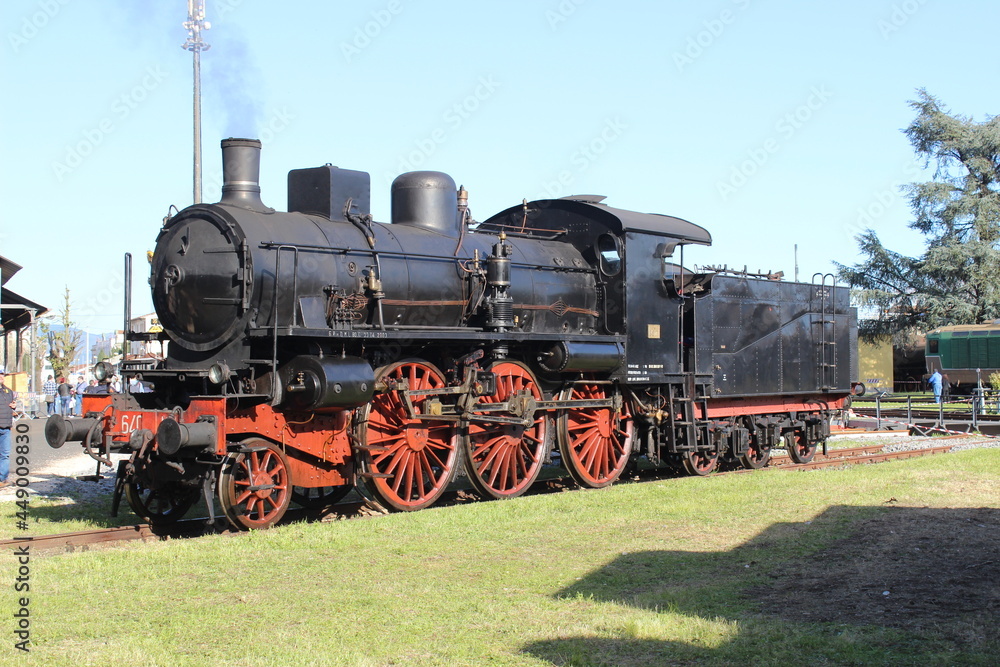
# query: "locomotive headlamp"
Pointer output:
{"type": "Point", "coordinates": [218, 373]}
{"type": "Point", "coordinates": [102, 371]}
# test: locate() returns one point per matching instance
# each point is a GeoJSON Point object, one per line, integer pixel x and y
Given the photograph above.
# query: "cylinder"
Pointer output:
{"type": "Point", "coordinates": [566, 357]}
{"type": "Point", "coordinates": [59, 430]}
{"type": "Point", "coordinates": [327, 383]}
{"type": "Point", "coordinates": [172, 435]}
{"type": "Point", "coordinates": [426, 199]}
{"type": "Point", "coordinates": [498, 267]}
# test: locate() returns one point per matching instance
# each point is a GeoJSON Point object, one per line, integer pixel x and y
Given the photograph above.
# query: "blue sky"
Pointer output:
{"type": "Point", "coordinates": [770, 123]}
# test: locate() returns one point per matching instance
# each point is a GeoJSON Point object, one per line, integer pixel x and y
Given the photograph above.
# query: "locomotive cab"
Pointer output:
{"type": "Point", "coordinates": [627, 251]}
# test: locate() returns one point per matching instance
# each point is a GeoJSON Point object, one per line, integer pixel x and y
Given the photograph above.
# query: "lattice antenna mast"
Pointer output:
{"type": "Point", "coordinates": [194, 25]}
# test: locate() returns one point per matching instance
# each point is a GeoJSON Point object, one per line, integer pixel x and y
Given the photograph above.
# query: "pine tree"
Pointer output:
{"type": "Point", "coordinates": [957, 278]}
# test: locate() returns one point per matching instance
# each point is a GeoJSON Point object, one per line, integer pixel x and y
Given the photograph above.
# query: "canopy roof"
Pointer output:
{"type": "Point", "coordinates": [15, 310]}
{"type": "Point", "coordinates": [567, 214]}
{"type": "Point", "coordinates": [7, 269]}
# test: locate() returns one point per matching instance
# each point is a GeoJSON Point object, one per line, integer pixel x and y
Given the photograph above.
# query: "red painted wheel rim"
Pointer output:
{"type": "Point", "coordinates": [419, 455]}
{"type": "Point", "coordinates": [701, 463]}
{"type": "Point", "coordinates": [798, 448]}
{"type": "Point", "coordinates": [255, 487]}
{"type": "Point", "coordinates": [756, 455]}
{"type": "Point", "coordinates": [595, 442]}
{"type": "Point", "coordinates": [505, 459]}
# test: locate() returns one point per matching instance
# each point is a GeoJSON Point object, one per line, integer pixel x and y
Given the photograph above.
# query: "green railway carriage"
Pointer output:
{"type": "Point", "coordinates": [960, 351]}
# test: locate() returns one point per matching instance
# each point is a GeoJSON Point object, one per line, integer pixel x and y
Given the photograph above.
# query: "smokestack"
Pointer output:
{"type": "Point", "coordinates": [241, 174]}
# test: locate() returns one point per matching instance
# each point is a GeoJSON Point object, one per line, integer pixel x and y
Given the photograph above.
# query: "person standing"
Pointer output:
{"type": "Point", "coordinates": [81, 387]}
{"type": "Point", "coordinates": [935, 382]}
{"type": "Point", "coordinates": [49, 388]}
{"type": "Point", "coordinates": [7, 402]}
{"type": "Point", "coordinates": [65, 392]}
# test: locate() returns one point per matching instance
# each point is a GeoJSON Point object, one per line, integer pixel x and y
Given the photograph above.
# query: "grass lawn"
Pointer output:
{"type": "Point", "coordinates": [723, 570]}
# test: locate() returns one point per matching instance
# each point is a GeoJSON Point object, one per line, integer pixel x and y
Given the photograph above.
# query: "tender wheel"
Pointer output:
{"type": "Point", "coordinates": [757, 455]}
{"type": "Point", "coordinates": [503, 460]}
{"type": "Point", "coordinates": [255, 486]}
{"type": "Point", "coordinates": [319, 497]}
{"type": "Point", "coordinates": [161, 506]}
{"type": "Point", "coordinates": [798, 449]}
{"type": "Point", "coordinates": [406, 463]}
{"type": "Point", "coordinates": [595, 443]}
{"type": "Point", "coordinates": [700, 463]}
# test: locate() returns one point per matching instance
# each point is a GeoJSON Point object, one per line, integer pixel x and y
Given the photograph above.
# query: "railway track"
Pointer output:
{"type": "Point", "coordinates": [83, 540]}
{"type": "Point", "coordinates": [925, 421]}
{"type": "Point", "coordinates": [921, 413]}
{"type": "Point", "coordinates": [855, 455]}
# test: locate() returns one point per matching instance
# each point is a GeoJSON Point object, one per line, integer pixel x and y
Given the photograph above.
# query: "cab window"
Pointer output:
{"type": "Point", "coordinates": [609, 255]}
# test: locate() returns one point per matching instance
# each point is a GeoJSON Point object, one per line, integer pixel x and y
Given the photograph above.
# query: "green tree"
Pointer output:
{"type": "Point", "coordinates": [62, 344]}
{"type": "Point", "coordinates": [957, 278]}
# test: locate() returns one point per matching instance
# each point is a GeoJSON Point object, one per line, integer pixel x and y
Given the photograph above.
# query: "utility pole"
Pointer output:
{"type": "Point", "coordinates": [194, 25]}
{"type": "Point", "coordinates": [33, 380]}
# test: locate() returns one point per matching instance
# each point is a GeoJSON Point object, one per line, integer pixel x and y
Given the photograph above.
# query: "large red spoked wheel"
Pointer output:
{"type": "Point", "coordinates": [595, 443]}
{"type": "Point", "coordinates": [700, 463]}
{"type": "Point", "coordinates": [503, 460]}
{"type": "Point", "coordinates": [406, 463]}
{"type": "Point", "coordinates": [757, 454]}
{"type": "Point", "coordinates": [799, 450]}
{"type": "Point", "coordinates": [255, 486]}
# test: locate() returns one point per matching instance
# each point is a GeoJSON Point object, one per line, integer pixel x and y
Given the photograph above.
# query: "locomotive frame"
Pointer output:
{"type": "Point", "coordinates": [317, 351]}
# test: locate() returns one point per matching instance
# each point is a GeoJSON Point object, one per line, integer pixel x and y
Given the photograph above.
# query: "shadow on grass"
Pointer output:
{"type": "Point", "coordinates": [875, 585]}
{"type": "Point", "coordinates": [55, 500]}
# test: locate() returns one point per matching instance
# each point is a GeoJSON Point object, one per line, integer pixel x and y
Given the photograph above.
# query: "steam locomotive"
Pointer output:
{"type": "Point", "coordinates": [316, 351]}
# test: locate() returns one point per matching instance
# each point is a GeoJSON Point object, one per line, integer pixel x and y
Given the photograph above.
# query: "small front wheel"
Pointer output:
{"type": "Point", "coordinates": [255, 486]}
{"type": "Point", "coordinates": [160, 506]}
{"type": "Point", "coordinates": [799, 450]}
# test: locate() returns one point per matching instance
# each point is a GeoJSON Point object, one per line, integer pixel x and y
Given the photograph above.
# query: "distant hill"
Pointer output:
{"type": "Point", "coordinates": [98, 344]}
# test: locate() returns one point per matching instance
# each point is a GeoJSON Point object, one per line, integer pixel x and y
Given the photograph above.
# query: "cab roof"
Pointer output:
{"type": "Point", "coordinates": [571, 214]}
